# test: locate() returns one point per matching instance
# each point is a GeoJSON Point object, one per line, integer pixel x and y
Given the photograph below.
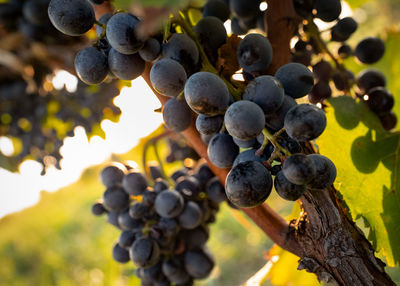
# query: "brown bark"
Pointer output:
{"type": "Point", "coordinates": [327, 241]}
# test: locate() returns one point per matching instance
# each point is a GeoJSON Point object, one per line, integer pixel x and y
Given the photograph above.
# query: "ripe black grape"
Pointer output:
{"type": "Point", "coordinates": [299, 169]}
{"type": "Point", "coordinates": [209, 124]}
{"type": "Point", "coordinates": [71, 17]}
{"type": "Point", "coordinates": [125, 67]}
{"type": "Point", "coordinates": [305, 122]}
{"type": "Point", "coordinates": [206, 94]}
{"type": "Point", "coordinates": [388, 120]}
{"type": "Point", "coordinates": [120, 254]}
{"type": "Point", "coordinates": [216, 8]}
{"type": "Point", "coordinates": [275, 121]}
{"type": "Point", "coordinates": [266, 91]}
{"type": "Point", "coordinates": [134, 183]}
{"type": "Point", "coordinates": [380, 100]}
{"type": "Point", "coordinates": [222, 151]}
{"type": "Point", "coordinates": [198, 263]}
{"type": "Point", "coordinates": [121, 33]}
{"type": "Point", "coordinates": [216, 191]}
{"type": "Point", "coordinates": [191, 216]}
{"type": "Point", "coordinates": [328, 10]}
{"type": "Point", "coordinates": [254, 53]}
{"type": "Point", "coordinates": [169, 204]}
{"type": "Point", "coordinates": [111, 176]}
{"type": "Point", "coordinates": [343, 29]}
{"type": "Point", "coordinates": [91, 65]}
{"type": "Point", "coordinates": [168, 77]}
{"type": "Point", "coordinates": [370, 78]}
{"type": "Point", "coordinates": [98, 209]}
{"type": "Point", "coordinates": [245, 9]}
{"type": "Point", "coordinates": [177, 115]}
{"type": "Point", "coordinates": [174, 269]}
{"type": "Point", "coordinates": [151, 50]}
{"type": "Point", "coordinates": [325, 172]}
{"type": "Point", "coordinates": [370, 50]}
{"type": "Point", "coordinates": [126, 238]}
{"type": "Point", "coordinates": [297, 80]}
{"type": "Point", "coordinates": [320, 92]}
{"type": "Point", "coordinates": [244, 120]}
{"type": "Point", "coordinates": [286, 189]}
{"type": "Point", "coordinates": [144, 252]}
{"type": "Point", "coordinates": [248, 184]}
{"type": "Point", "coordinates": [115, 199]}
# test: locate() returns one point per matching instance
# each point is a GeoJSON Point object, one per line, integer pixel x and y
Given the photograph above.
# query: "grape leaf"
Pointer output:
{"type": "Point", "coordinates": [368, 165]}
{"type": "Point", "coordinates": [284, 270]}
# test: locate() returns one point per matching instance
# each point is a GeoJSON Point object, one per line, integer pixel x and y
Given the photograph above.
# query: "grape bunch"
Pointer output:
{"type": "Point", "coordinates": [42, 118]}
{"type": "Point", "coordinates": [370, 83]}
{"type": "Point", "coordinates": [29, 17]}
{"type": "Point", "coordinates": [164, 228]}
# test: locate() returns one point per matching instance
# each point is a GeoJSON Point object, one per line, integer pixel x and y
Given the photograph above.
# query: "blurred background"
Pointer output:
{"type": "Point", "coordinates": [48, 235]}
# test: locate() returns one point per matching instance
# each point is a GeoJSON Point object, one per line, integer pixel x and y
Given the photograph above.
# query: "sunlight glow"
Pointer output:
{"type": "Point", "coordinates": [137, 120]}
{"type": "Point", "coordinates": [263, 6]}
{"type": "Point", "coordinates": [227, 26]}
{"type": "Point", "coordinates": [6, 146]}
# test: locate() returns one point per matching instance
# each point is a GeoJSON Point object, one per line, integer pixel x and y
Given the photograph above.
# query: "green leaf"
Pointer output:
{"type": "Point", "coordinates": [284, 270]}
{"type": "Point", "coordinates": [368, 167]}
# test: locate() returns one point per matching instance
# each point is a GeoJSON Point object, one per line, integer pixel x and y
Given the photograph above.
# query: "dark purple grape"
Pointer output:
{"type": "Point", "coordinates": [169, 204]}
{"type": "Point", "coordinates": [98, 209]}
{"type": "Point", "coordinates": [134, 183]}
{"type": "Point", "coordinates": [120, 254]}
{"type": "Point", "coordinates": [248, 184]}
{"type": "Point", "coordinates": [370, 50]}
{"type": "Point", "coordinates": [299, 169]}
{"type": "Point", "coordinates": [286, 189]}
{"type": "Point", "coordinates": [177, 115]}
{"type": "Point", "coordinates": [328, 10]}
{"type": "Point", "coordinates": [191, 216]}
{"type": "Point", "coordinates": [296, 79]}
{"type": "Point", "coordinates": [144, 252]}
{"type": "Point", "coordinates": [198, 263]}
{"type": "Point", "coordinates": [325, 172]}
{"type": "Point", "coordinates": [380, 100]}
{"type": "Point", "coordinates": [115, 199]}
{"type": "Point", "coordinates": [222, 151]}
{"type": "Point", "coordinates": [388, 120]}
{"type": "Point", "coordinates": [370, 78]}
{"type": "Point", "coordinates": [111, 176]}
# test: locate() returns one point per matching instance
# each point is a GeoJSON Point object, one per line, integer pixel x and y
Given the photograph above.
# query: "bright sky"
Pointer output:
{"type": "Point", "coordinates": [138, 119]}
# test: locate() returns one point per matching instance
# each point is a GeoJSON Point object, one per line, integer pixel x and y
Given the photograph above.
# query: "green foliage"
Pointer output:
{"type": "Point", "coordinates": [368, 164]}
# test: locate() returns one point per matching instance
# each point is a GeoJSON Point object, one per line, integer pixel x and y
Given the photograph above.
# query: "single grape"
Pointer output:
{"type": "Point", "coordinates": [206, 94]}
{"type": "Point", "coordinates": [216, 191]}
{"type": "Point", "coordinates": [216, 8]}
{"type": "Point", "coordinates": [111, 176]}
{"type": "Point", "coordinates": [183, 49]}
{"type": "Point", "coordinates": [245, 9]}
{"type": "Point", "coordinates": [125, 67]}
{"type": "Point", "coordinates": [248, 184]}
{"type": "Point", "coordinates": [98, 209]}
{"type": "Point", "coordinates": [134, 183]}
{"type": "Point", "coordinates": [343, 29]}
{"type": "Point", "coordinates": [139, 210]}
{"type": "Point", "coordinates": [126, 222]}
{"type": "Point", "coordinates": [296, 79]}
{"type": "Point", "coordinates": [254, 53]}
{"type": "Point", "coordinates": [328, 10]}
{"type": "Point", "coordinates": [370, 78]}
{"type": "Point", "coordinates": [177, 115]}
{"type": "Point", "coordinates": [169, 204]}
{"type": "Point", "coordinates": [266, 91]}
{"type": "Point", "coordinates": [174, 269]}
{"type": "Point", "coordinates": [91, 65]}
{"type": "Point", "coordinates": [112, 218]}
{"type": "Point", "coordinates": [144, 252]}
{"type": "Point", "coordinates": [212, 35]}
{"type": "Point", "coordinates": [325, 172]}
{"type": "Point", "coordinates": [380, 100]}
{"type": "Point", "coordinates": [250, 155]}
{"type": "Point", "coordinates": [168, 77]}
{"type": "Point", "coordinates": [246, 143]}
{"type": "Point", "coordinates": [126, 239]}
{"type": "Point", "coordinates": [343, 80]}
{"type": "Point", "coordinates": [323, 71]}
{"type": "Point", "coordinates": [103, 20]}
{"type": "Point", "coordinates": [151, 50]}
{"type": "Point", "coordinates": [222, 151]}
{"type": "Point", "coordinates": [345, 51]}
{"type": "Point", "coordinates": [305, 122]}
{"type": "Point", "coordinates": [204, 173]}
{"type": "Point", "coordinates": [120, 254]}
{"type": "Point", "coordinates": [154, 274]}
{"type": "Point", "coordinates": [370, 50]}
{"type": "Point", "coordinates": [198, 263]}
{"type": "Point", "coordinates": [209, 124]}
{"type": "Point", "coordinates": [320, 92]}
{"type": "Point", "coordinates": [191, 216]}
{"type": "Point", "coordinates": [168, 226]}
{"type": "Point", "coordinates": [121, 33]}
{"type": "Point", "coordinates": [160, 185]}
{"type": "Point", "coordinates": [299, 169]}
{"type": "Point", "coordinates": [286, 189]}
{"type": "Point", "coordinates": [71, 17]}
{"type": "Point", "coordinates": [188, 186]}
{"type": "Point", "coordinates": [115, 199]}
{"type": "Point", "coordinates": [195, 238]}
{"type": "Point", "coordinates": [244, 120]}
{"type": "Point", "coordinates": [388, 120]}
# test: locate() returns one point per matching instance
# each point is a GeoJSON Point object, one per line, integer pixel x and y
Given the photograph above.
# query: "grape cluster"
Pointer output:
{"type": "Point", "coordinates": [29, 17]}
{"type": "Point", "coordinates": [164, 228]}
{"type": "Point", "coordinates": [41, 119]}
{"type": "Point", "coordinates": [179, 151]}
{"type": "Point", "coordinates": [370, 82]}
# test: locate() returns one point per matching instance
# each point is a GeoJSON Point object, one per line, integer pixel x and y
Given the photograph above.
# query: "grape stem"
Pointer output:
{"type": "Point", "coordinates": [187, 27]}
{"type": "Point", "coordinates": [268, 137]}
